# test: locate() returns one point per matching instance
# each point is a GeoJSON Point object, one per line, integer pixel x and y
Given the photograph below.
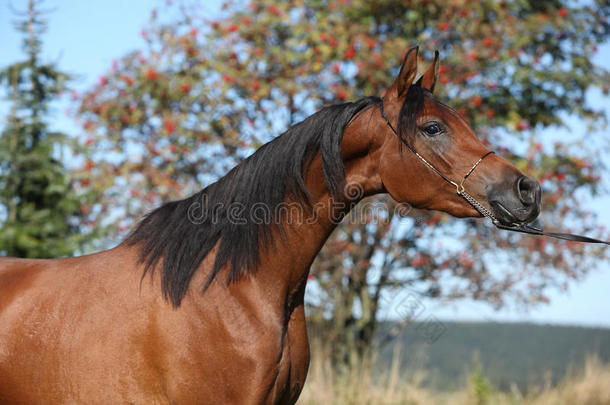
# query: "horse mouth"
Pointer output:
{"type": "Point", "coordinates": [506, 217]}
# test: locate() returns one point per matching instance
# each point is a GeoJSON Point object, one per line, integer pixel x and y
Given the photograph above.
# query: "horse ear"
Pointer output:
{"type": "Point", "coordinates": [428, 80]}
{"type": "Point", "coordinates": [407, 73]}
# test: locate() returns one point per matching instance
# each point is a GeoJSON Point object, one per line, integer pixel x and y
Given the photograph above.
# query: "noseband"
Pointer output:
{"type": "Point", "coordinates": [461, 191]}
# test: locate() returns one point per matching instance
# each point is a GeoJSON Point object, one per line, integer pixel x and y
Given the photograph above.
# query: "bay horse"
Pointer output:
{"type": "Point", "coordinates": [204, 304]}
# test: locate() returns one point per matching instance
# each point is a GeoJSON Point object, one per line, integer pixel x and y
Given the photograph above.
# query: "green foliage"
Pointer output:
{"type": "Point", "coordinates": [41, 209]}
{"type": "Point", "coordinates": [481, 388]}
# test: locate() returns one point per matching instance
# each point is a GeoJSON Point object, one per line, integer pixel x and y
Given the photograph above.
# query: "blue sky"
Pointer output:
{"type": "Point", "coordinates": [85, 36]}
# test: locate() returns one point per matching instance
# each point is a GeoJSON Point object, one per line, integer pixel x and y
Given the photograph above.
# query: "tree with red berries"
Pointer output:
{"type": "Point", "coordinates": [206, 88]}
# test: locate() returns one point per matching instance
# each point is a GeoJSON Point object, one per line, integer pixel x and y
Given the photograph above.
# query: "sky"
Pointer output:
{"type": "Point", "coordinates": [85, 36]}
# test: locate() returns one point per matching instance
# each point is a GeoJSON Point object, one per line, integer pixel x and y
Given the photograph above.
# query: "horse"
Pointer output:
{"type": "Point", "coordinates": [203, 302]}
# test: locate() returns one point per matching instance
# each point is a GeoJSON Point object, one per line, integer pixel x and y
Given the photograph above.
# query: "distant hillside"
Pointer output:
{"type": "Point", "coordinates": [528, 355]}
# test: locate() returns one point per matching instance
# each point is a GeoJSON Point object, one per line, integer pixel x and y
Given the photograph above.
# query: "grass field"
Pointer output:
{"type": "Point", "coordinates": [588, 386]}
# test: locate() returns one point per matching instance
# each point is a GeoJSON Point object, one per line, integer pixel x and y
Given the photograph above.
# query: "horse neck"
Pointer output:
{"type": "Point", "coordinates": [294, 252]}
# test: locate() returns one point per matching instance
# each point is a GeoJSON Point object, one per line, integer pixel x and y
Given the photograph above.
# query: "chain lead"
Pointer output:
{"type": "Point", "coordinates": [461, 191]}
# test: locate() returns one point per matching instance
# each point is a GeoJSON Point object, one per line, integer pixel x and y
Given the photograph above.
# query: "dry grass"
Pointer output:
{"type": "Point", "coordinates": [590, 386]}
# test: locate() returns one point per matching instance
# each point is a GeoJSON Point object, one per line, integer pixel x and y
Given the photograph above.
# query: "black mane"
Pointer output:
{"type": "Point", "coordinates": [182, 233]}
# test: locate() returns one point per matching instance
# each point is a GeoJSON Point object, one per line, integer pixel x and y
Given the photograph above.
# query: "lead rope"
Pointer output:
{"type": "Point", "coordinates": [524, 228]}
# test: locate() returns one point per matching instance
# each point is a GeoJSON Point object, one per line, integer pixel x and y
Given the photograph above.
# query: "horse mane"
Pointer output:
{"type": "Point", "coordinates": [268, 177]}
{"type": "Point", "coordinates": [173, 235]}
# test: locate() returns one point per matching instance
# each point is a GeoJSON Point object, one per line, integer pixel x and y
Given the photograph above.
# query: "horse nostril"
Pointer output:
{"type": "Point", "coordinates": [527, 190]}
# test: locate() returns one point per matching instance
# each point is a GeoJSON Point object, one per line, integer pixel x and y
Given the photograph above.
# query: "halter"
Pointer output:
{"type": "Point", "coordinates": [461, 191]}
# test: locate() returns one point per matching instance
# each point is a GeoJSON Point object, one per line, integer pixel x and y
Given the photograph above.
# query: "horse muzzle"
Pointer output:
{"type": "Point", "coordinates": [516, 201]}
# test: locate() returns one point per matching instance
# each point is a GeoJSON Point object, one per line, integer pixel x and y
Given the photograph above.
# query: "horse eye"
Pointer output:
{"type": "Point", "coordinates": [432, 129]}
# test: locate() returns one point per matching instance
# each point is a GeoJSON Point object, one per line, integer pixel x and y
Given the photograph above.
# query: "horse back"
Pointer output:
{"type": "Point", "coordinates": [64, 322]}
{"type": "Point", "coordinates": [16, 276]}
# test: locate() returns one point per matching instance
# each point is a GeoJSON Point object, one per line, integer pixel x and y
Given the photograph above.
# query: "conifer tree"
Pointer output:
{"type": "Point", "coordinates": [41, 209]}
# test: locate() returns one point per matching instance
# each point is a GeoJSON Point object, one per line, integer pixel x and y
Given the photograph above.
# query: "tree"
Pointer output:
{"type": "Point", "coordinates": [159, 116]}
{"type": "Point", "coordinates": [512, 68]}
{"type": "Point", "coordinates": [41, 209]}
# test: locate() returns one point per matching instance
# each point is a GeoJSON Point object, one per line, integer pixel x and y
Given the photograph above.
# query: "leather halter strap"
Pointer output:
{"type": "Point", "coordinates": [523, 228]}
